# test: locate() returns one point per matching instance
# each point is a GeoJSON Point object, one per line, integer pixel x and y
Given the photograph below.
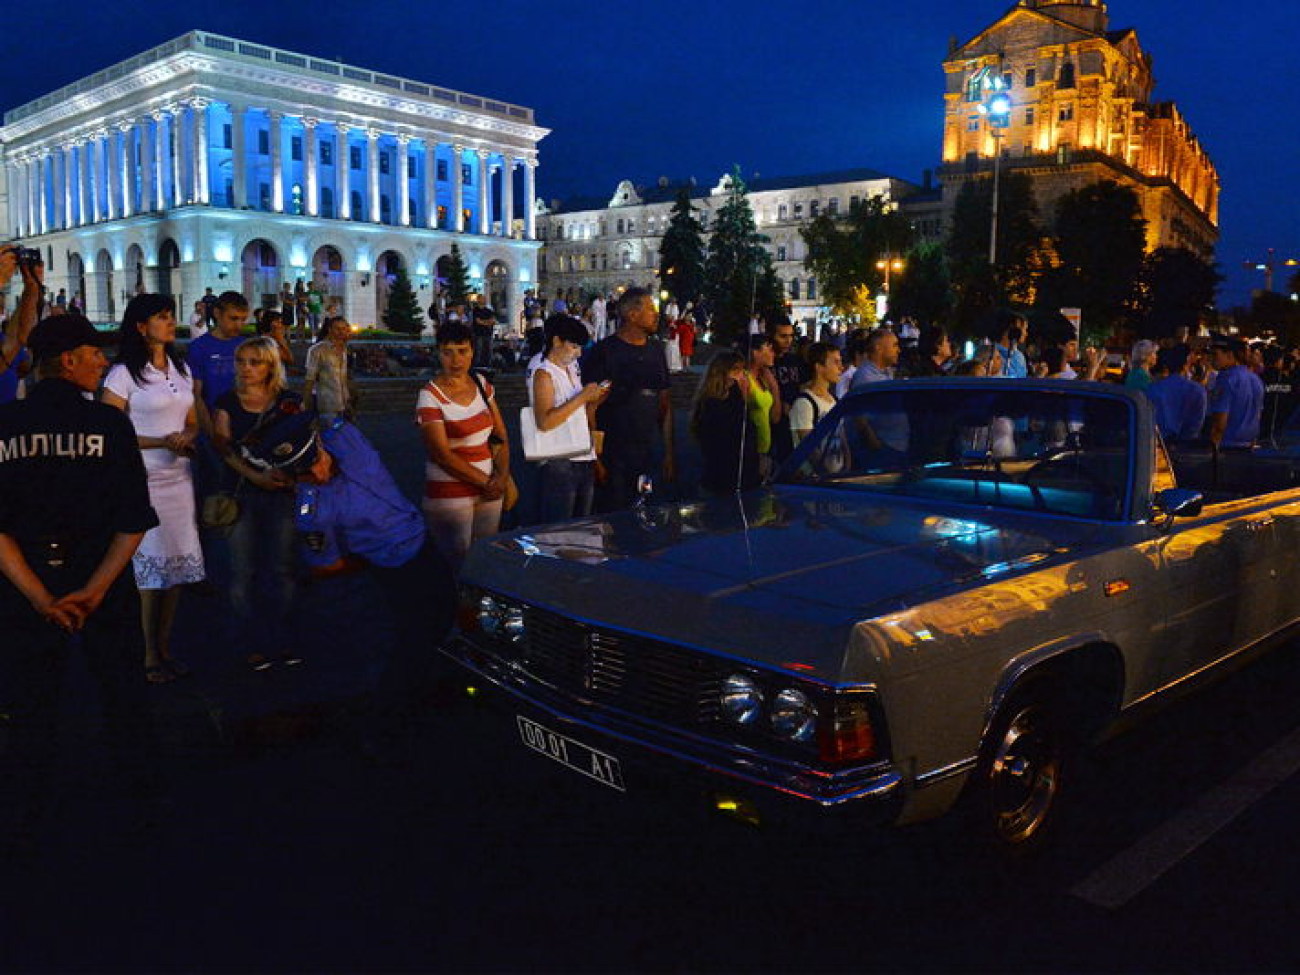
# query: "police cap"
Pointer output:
{"type": "Point", "coordinates": [63, 333]}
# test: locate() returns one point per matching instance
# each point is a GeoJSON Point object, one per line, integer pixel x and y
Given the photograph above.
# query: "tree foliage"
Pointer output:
{"type": "Point", "coordinates": [922, 291]}
{"type": "Point", "coordinates": [1100, 242]}
{"type": "Point", "coordinates": [403, 313]}
{"type": "Point", "coordinates": [1178, 289]}
{"type": "Point", "coordinates": [457, 278]}
{"type": "Point", "coordinates": [681, 254]}
{"type": "Point", "coordinates": [739, 280]}
{"type": "Point", "coordinates": [843, 254]}
{"type": "Point", "coordinates": [976, 287]}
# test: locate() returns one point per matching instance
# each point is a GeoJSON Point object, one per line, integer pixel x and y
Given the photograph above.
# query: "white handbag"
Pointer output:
{"type": "Point", "coordinates": [571, 438]}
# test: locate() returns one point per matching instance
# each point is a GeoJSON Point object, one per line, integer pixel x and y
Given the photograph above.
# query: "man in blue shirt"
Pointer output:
{"type": "Point", "coordinates": [353, 517]}
{"type": "Point", "coordinates": [1179, 402]}
{"type": "Point", "coordinates": [1006, 332]}
{"type": "Point", "coordinates": [1237, 399]}
{"type": "Point", "coordinates": [13, 353]}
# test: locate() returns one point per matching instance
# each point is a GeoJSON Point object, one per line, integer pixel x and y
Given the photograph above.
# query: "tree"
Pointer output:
{"type": "Point", "coordinates": [403, 313]}
{"type": "Point", "coordinates": [844, 255]}
{"type": "Point", "coordinates": [977, 287]}
{"type": "Point", "coordinates": [922, 291]}
{"type": "Point", "coordinates": [1179, 289]}
{"type": "Point", "coordinates": [739, 280]}
{"type": "Point", "coordinates": [681, 254]}
{"type": "Point", "coordinates": [1100, 241]}
{"type": "Point", "coordinates": [457, 278]}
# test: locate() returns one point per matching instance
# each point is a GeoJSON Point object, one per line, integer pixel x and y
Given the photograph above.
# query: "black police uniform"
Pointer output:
{"type": "Point", "coordinates": [71, 477]}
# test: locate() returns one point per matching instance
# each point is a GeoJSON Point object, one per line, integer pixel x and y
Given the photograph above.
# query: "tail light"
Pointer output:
{"type": "Point", "coordinates": [849, 736]}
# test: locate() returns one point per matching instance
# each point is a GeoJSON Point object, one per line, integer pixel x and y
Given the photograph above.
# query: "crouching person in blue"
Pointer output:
{"type": "Point", "coordinates": [74, 505]}
{"type": "Point", "coordinates": [351, 516]}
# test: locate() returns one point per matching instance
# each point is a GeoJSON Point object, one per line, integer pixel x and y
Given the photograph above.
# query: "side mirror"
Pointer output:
{"type": "Point", "coordinates": [1180, 503]}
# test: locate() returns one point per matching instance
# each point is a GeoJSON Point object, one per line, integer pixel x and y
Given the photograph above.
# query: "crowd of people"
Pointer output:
{"type": "Point", "coordinates": [150, 464]}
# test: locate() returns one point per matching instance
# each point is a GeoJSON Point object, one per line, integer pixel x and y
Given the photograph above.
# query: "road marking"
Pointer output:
{"type": "Point", "coordinates": [1119, 880]}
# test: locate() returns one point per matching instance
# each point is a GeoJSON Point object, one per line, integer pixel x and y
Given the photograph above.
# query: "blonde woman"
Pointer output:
{"type": "Point", "coordinates": [262, 540]}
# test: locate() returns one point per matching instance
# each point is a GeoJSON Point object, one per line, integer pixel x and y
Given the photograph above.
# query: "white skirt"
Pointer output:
{"type": "Point", "coordinates": [170, 553]}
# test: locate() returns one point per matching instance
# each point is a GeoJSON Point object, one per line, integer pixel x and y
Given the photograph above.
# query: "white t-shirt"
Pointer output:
{"type": "Point", "coordinates": [802, 415]}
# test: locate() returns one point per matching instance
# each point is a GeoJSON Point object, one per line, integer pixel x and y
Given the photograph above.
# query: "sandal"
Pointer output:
{"type": "Point", "coordinates": [178, 668]}
{"type": "Point", "coordinates": [158, 674]}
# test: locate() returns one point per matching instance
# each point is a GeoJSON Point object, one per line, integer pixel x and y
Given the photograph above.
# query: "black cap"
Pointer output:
{"type": "Point", "coordinates": [1227, 342]}
{"type": "Point", "coordinates": [288, 442]}
{"type": "Point", "coordinates": [62, 333]}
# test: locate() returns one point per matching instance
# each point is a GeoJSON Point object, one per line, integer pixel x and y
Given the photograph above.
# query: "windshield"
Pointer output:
{"type": "Point", "coordinates": [1031, 449]}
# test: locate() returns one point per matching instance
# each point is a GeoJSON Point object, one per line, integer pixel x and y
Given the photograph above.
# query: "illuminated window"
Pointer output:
{"type": "Point", "coordinates": [1029, 116]}
{"type": "Point", "coordinates": [1066, 114]}
{"type": "Point", "coordinates": [782, 212]}
{"type": "Point", "coordinates": [814, 208]}
{"type": "Point", "coordinates": [780, 252]}
{"type": "Point", "coordinates": [798, 211]}
{"type": "Point", "coordinates": [833, 206]}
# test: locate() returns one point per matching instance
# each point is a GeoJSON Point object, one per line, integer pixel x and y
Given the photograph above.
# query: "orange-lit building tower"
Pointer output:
{"type": "Point", "coordinates": [1081, 111]}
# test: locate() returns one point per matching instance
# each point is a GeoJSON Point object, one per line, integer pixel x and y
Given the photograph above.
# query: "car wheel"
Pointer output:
{"type": "Point", "coordinates": [1022, 772]}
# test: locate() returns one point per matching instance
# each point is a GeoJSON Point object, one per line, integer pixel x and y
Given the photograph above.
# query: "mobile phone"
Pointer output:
{"type": "Point", "coordinates": [604, 384]}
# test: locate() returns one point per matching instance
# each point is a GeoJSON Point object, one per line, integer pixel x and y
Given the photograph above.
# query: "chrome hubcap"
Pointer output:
{"type": "Point", "coordinates": [1024, 778]}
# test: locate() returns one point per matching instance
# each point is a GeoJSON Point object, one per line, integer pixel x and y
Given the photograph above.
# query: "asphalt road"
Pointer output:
{"type": "Point", "coordinates": [284, 849]}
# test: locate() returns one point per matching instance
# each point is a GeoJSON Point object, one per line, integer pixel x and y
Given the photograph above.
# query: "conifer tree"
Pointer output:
{"type": "Point", "coordinates": [740, 281]}
{"type": "Point", "coordinates": [681, 255]}
{"type": "Point", "coordinates": [403, 313]}
{"type": "Point", "coordinates": [457, 278]}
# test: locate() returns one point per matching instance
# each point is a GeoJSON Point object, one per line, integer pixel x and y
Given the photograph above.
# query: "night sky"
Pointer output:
{"type": "Point", "coordinates": [679, 89]}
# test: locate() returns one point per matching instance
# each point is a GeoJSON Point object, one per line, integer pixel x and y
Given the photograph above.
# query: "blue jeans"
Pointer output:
{"type": "Point", "coordinates": [263, 551]}
{"type": "Point", "coordinates": [566, 489]}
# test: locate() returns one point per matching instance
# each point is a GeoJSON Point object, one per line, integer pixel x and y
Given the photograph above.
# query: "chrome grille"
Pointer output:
{"type": "Point", "coordinates": [635, 674]}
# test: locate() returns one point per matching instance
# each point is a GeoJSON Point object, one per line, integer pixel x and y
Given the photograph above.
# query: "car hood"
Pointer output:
{"type": "Point", "coordinates": [779, 575]}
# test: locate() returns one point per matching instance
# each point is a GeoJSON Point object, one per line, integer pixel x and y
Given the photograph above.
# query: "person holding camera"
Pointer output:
{"type": "Point", "coordinates": [14, 359]}
{"type": "Point", "coordinates": [74, 506]}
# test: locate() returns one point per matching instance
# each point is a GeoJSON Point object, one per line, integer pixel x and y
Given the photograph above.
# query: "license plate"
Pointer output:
{"type": "Point", "coordinates": [567, 751]}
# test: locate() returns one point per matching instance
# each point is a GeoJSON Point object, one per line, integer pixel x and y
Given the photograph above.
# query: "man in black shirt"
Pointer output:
{"type": "Point", "coordinates": [74, 504]}
{"type": "Point", "coordinates": [791, 373]}
{"type": "Point", "coordinates": [639, 409]}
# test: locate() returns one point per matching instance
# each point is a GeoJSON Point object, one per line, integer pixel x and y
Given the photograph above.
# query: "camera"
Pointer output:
{"type": "Point", "coordinates": [26, 256]}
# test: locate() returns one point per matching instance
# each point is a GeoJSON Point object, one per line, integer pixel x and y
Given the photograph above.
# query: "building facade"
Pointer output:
{"type": "Point", "coordinates": [214, 162]}
{"type": "Point", "coordinates": [1081, 110]}
{"type": "Point", "coordinates": [606, 246]}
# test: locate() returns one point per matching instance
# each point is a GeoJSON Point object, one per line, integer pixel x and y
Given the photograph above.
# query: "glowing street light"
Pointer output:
{"type": "Point", "coordinates": [996, 107]}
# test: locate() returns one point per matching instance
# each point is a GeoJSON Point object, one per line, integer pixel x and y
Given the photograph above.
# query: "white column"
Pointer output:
{"type": "Point", "coordinates": [238, 157]}
{"type": "Point", "coordinates": [83, 182]}
{"type": "Point", "coordinates": [177, 124]}
{"type": "Point", "coordinates": [507, 195]}
{"type": "Point", "coordinates": [403, 180]}
{"type": "Point", "coordinates": [457, 190]}
{"type": "Point", "coordinates": [530, 199]}
{"type": "Point", "coordinates": [34, 195]}
{"type": "Point", "coordinates": [95, 159]}
{"type": "Point", "coordinates": [56, 189]}
{"type": "Point", "coordinates": [14, 182]}
{"type": "Point", "coordinates": [126, 168]}
{"type": "Point", "coordinates": [342, 172]}
{"type": "Point", "coordinates": [29, 196]}
{"type": "Point", "coordinates": [372, 174]}
{"type": "Point", "coordinates": [277, 164]}
{"type": "Point", "coordinates": [484, 179]}
{"type": "Point", "coordinates": [311, 157]}
{"type": "Point", "coordinates": [202, 189]}
{"type": "Point", "coordinates": [159, 188]}
{"type": "Point", "coordinates": [148, 190]}
{"type": "Point", "coordinates": [69, 184]}
{"type": "Point", "coordinates": [430, 184]}
{"type": "Point", "coordinates": [112, 180]}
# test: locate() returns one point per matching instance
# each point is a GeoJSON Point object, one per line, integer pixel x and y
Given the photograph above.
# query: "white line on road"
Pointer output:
{"type": "Point", "coordinates": [1119, 880]}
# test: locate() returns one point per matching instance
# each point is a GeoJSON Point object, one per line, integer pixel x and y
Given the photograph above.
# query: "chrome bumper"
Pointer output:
{"type": "Point", "coordinates": [778, 786]}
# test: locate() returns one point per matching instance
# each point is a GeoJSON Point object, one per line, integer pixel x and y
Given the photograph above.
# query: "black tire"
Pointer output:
{"type": "Point", "coordinates": [1022, 770]}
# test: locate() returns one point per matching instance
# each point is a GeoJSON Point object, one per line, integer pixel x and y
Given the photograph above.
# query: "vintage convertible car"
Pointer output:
{"type": "Point", "coordinates": [950, 587]}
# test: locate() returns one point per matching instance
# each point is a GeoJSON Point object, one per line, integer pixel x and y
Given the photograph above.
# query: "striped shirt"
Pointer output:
{"type": "Point", "coordinates": [468, 429]}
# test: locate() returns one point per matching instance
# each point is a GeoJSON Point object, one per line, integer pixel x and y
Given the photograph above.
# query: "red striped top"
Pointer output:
{"type": "Point", "coordinates": [468, 429]}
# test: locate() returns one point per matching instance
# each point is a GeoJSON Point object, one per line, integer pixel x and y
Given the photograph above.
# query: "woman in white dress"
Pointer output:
{"type": "Point", "coordinates": [151, 384]}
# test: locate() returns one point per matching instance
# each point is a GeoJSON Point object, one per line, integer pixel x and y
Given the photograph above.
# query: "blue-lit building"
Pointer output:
{"type": "Point", "coordinates": [214, 162]}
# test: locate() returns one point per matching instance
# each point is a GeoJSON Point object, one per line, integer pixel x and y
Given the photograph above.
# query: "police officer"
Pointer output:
{"type": "Point", "coordinates": [74, 504]}
{"type": "Point", "coordinates": [352, 516]}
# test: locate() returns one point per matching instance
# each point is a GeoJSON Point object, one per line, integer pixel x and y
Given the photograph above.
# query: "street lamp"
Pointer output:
{"type": "Point", "coordinates": [997, 109]}
{"type": "Point", "coordinates": [887, 265]}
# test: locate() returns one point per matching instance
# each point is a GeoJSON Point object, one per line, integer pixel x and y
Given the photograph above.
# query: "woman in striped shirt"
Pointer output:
{"type": "Point", "coordinates": [468, 457]}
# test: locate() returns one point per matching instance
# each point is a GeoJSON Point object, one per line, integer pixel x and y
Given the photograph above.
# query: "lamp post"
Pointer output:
{"type": "Point", "coordinates": [888, 264]}
{"type": "Point", "coordinates": [997, 109]}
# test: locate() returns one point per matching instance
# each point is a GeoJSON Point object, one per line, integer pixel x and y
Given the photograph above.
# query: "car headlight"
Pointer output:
{"type": "Point", "coordinates": [501, 619]}
{"type": "Point", "coordinates": [741, 699]}
{"type": "Point", "coordinates": [793, 715]}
